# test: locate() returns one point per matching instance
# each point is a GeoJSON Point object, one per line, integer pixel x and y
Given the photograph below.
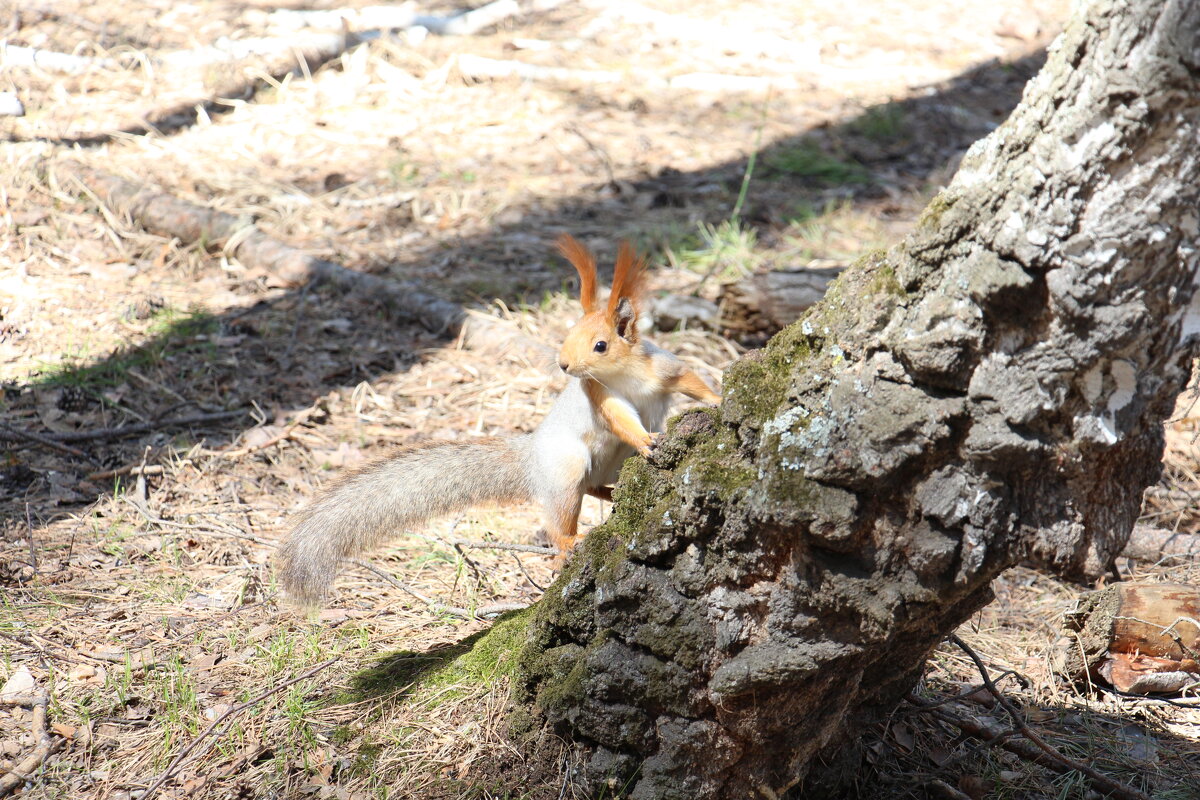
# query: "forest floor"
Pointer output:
{"type": "Point", "coordinates": [145, 605]}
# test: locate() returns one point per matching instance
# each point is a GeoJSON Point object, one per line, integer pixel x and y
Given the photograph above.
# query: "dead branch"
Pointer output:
{"type": "Point", "coordinates": [437, 606]}
{"type": "Point", "coordinates": [179, 759]}
{"type": "Point", "coordinates": [282, 56]}
{"type": "Point", "coordinates": [404, 15]}
{"type": "Point", "coordinates": [23, 771]}
{"type": "Point", "coordinates": [1155, 544]}
{"type": "Point", "coordinates": [482, 68]}
{"type": "Point", "coordinates": [989, 734]}
{"type": "Point", "coordinates": [1099, 780]}
{"type": "Point", "coordinates": [308, 50]}
{"type": "Point", "coordinates": [459, 544]}
{"type": "Point", "coordinates": [12, 434]}
{"type": "Point", "coordinates": [171, 216]}
{"type": "Point", "coordinates": [528, 577]}
{"type": "Point", "coordinates": [144, 427]}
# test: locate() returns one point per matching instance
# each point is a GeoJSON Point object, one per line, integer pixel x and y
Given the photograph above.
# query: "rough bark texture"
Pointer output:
{"type": "Point", "coordinates": [989, 392]}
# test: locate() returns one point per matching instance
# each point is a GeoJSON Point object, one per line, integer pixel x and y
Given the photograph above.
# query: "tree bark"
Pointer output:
{"type": "Point", "coordinates": [990, 391]}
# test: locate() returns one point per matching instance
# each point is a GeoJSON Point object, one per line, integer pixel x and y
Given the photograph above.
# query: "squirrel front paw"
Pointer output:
{"type": "Point", "coordinates": [649, 442]}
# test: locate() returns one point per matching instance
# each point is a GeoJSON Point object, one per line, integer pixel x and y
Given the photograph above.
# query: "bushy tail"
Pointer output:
{"type": "Point", "coordinates": [369, 506]}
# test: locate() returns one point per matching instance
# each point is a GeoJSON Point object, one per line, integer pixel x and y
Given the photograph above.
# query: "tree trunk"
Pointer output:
{"type": "Point", "coordinates": [991, 391]}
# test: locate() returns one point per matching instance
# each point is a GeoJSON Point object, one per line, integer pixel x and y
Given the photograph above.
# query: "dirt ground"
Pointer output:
{"type": "Point", "coordinates": [199, 401]}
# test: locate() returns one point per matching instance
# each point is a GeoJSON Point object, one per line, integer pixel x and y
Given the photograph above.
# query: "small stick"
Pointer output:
{"type": "Point", "coordinates": [178, 760]}
{"type": "Point", "coordinates": [144, 427]}
{"type": "Point", "coordinates": [44, 441]}
{"type": "Point", "coordinates": [519, 548]}
{"type": "Point", "coordinates": [208, 529]}
{"type": "Point", "coordinates": [529, 578]}
{"type": "Point", "coordinates": [286, 433]}
{"type": "Point", "coordinates": [991, 735]}
{"type": "Point", "coordinates": [926, 705]}
{"type": "Point", "coordinates": [437, 605]}
{"type": "Point", "coordinates": [128, 469]}
{"type": "Point", "coordinates": [23, 771]}
{"type": "Point", "coordinates": [1101, 781]}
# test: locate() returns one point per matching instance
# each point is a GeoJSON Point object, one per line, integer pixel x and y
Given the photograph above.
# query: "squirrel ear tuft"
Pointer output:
{"type": "Point", "coordinates": [626, 322]}
{"type": "Point", "coordinates": [585, 265]}
{"type": "Point", "coordinates": [628, 279]}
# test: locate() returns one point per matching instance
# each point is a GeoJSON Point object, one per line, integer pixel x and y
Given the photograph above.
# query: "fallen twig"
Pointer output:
{"type": "Point", "coordinates": [22, 772]}
{"type": "Point", "coordinates": [1101, 781]}
{"type": "Point", "coordinates": [179, 759]}
{"type": "Point", "coordinates": [295, 54]}
{"type": "Point", "coordinates": [12, 434]}
{"type": "Point", "coordinates": [438, 606]}
{"type": "Point", "coordinates": [129, 469]}
{"type": "Point", "coordinates": [1151, 544]}
{"type": "Point", "coordinates": [528, 577]}
{"type": "Point", "coordinates": [286, 433]}
{"type": "Point", "coordinates": [483, 68]}
{"type": "Point", "coordinates": [140, 505]}
{"type": "Point", "coordinates": [405, 16]}
{"type": "Point", "coordinates": [519, 548]}
{"type": "Point", "coordinates": [145, 427]}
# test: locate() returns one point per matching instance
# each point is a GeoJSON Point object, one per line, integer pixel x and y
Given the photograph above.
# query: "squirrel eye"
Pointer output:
{"type": "Point", "coordinates": [601, 346]}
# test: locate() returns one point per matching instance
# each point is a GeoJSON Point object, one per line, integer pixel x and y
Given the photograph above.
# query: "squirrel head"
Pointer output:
{"type": "Point", "coordinates": [599, 343]}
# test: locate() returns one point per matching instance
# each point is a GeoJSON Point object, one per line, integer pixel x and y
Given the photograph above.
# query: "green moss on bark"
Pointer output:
{"type": "Point", "coordinates": [757, 385]}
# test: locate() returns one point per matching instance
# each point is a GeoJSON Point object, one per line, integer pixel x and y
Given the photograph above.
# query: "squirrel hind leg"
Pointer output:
{"type": "Point", "coordinates": [562, 525]}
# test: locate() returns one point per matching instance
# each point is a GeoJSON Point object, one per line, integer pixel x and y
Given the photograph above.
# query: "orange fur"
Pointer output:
{"type": "Point", "coordinates": [585, 265]}
{"type": "Point", "coordinates": [692, 385]}
{"type": "Point", "coordinates": [619, 417]}
{"type": "Point", "coordinates": [629, 279]}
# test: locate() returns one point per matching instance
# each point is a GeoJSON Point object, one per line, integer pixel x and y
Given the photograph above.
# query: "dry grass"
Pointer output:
{"type": "Point", "coordinates": [149, 607]}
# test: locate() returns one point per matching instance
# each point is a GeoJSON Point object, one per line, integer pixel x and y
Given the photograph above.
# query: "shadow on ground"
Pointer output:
{"type": "Point", "coordinates": [285, 353]}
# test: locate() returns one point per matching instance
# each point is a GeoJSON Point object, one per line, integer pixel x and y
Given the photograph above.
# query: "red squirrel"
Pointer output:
{"type": "Point", "coordinates": [614, 404]}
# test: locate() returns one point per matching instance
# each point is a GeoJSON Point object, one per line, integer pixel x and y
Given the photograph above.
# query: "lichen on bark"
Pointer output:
{"type": "Point", "coordinates": [988, 392]}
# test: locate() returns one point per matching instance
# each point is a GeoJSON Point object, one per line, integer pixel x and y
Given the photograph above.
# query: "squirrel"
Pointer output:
{"type": "Point", "coordinates": [615, 401]}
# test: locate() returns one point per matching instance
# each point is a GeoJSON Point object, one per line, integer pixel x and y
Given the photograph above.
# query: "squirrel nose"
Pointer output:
{"type": "Point", "coordinates": [563, 365]}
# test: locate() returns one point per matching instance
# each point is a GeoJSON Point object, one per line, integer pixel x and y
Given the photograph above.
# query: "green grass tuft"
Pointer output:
{"type": "Point", "coordinates": [725, 250]}
{"type": "Point", "coordinates": [885, 123]}
{"type": "Point", "coordinates": [806, 159]}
